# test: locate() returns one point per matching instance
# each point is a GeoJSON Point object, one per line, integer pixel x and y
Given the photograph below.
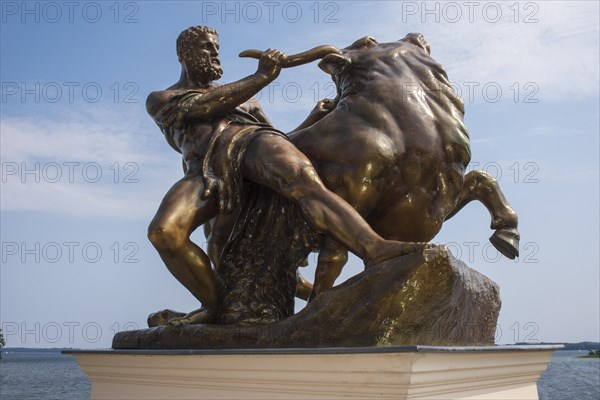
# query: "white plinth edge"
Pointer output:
{"type": "Point", "coordinates": [406, 372]}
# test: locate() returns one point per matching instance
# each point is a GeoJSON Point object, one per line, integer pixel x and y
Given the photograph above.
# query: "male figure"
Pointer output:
{"type": "Point", "coordinates": [226, 138]}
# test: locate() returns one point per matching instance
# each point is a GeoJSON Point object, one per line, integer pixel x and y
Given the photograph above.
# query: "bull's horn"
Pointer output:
{"type": "Point", "coordinates": [298, 59]}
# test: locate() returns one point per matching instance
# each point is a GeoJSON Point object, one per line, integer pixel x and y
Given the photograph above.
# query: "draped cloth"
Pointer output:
{"type": "Point", "coordinates": [222, 161]}
{"type": "Point", "coordinates": [257, 271]}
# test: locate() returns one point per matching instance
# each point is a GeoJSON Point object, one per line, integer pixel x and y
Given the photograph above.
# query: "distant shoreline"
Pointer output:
{"type": "Point", "coordinates": [584, 346]}
{"type": "Point", "coordinates": [568, 346]}
{"type": "Point", "coordinates": [35, 349]}
{"type": "Point", "coordinates": [592, 354]}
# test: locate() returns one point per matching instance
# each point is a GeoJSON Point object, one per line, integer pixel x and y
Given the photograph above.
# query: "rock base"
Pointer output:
{"type": "Point", "coordinates": [427, 298]}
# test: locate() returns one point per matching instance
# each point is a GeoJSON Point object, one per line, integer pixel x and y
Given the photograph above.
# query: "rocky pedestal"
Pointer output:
{"type": "Point", "coordinates": [427, 298]}
{"type": "Point", "coordinates": [416, 327]}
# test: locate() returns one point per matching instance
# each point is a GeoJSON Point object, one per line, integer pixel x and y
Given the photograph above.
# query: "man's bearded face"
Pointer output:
{"type": "Point", "coordinates": [205, 67]}
{"type": "Point", "coordinates": [203, 60]}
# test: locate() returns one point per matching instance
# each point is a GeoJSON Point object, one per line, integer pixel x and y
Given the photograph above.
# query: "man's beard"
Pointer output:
{"type": "Point", "coordinates": [203, 70]}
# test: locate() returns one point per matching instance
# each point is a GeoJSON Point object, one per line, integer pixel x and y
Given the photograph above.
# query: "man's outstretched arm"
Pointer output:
{"type": "Point", "coordinates": [226, 97]}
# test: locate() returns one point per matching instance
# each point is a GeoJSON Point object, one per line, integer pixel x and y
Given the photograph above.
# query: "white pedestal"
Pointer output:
{"type": "Point", "coordinates": [407, 372]}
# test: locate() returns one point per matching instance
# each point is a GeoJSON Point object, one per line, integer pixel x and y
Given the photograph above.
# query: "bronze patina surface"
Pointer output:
{"type": "Point", "coordinates": [375, 171]}
{"type": "Point", "coordinates": [226, 140]}
{"type": "Point", "coordinates": [427, 297]}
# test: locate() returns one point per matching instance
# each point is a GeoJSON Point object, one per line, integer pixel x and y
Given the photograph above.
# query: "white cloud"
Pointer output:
{"type": "Point", "coordinates": [557, 50]}
{"type": "Point", "coordinates": [100, 163]}
{"type": "Point", "coordinates": [547, 130]}
{"type": "Point", "coordinates": [92, 135]}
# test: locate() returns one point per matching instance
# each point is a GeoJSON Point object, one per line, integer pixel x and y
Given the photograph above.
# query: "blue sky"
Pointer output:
{"type": "Point", "coordinates": [84, 168]}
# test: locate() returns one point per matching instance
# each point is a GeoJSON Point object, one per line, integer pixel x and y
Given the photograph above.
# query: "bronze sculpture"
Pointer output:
{"type": "Point", "coordinates": [395, 147]}
{"type": "Point", "coordinates": [225, 140]}
{"type": "Point", "coordinates": [392, 144]}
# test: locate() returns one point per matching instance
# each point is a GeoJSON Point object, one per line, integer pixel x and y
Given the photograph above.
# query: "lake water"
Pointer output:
{"type": "Point", "coordinates": [41, 376]}
{"type": "Point", "coordinates": [569, 377]}
{"type": "Point", "coordinates": [52, 376]}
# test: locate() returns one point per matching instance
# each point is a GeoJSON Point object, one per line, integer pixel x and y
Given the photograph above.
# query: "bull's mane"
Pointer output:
{"type": "Point", "coordinates": [439, 95]}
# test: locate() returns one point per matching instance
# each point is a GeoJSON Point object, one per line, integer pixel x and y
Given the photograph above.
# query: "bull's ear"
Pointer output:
{"type": "Point", "coordinates": [334, 64]}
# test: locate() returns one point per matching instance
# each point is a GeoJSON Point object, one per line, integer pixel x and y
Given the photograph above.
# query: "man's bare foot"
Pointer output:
{"type": "Point", "coordinates": [162, 317]}
{"type": "Point", "coordinates": [199, 316]}
{"type": "Point", "coordinates": [392, 249]}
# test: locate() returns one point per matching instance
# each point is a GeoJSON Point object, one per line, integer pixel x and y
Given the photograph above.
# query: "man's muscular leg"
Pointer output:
{"type": "Point", "coordinates": [180, 213]}
{"type": "Point", "coordinates": [273, 161]}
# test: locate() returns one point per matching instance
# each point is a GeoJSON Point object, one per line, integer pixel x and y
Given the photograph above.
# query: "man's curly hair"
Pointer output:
{"type": "Point", "coordinates": [188, 37]}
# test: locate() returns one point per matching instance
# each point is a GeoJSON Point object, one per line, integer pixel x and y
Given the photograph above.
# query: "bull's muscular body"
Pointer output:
{"type": "Point", "coordinates": [390, 148]}
{"type": "Point", "coordinates": [395, 147]}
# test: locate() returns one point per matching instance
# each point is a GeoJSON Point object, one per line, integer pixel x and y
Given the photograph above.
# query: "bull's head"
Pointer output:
{"type": "Point", "coordinates": [333, 61]}
{"type": "Point", "coordinates": [376, 69]}
{"type": "Point", "coordinates": [337, 63]}
{"type": "Point", "coordinates": [364, 60]}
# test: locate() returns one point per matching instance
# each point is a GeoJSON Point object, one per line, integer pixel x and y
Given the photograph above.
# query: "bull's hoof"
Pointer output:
{"type": "Point", "coordinates": [506, 241]}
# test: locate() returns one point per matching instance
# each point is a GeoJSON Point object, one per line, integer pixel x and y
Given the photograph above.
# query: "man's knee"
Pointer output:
{"type": "Point", "coordinates": [164, 237]}
{"type": "Point", "coordinates": [302, 182]}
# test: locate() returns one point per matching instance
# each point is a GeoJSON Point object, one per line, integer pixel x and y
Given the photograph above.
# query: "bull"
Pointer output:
{"type": "Point", "coordinates": [393, 144]}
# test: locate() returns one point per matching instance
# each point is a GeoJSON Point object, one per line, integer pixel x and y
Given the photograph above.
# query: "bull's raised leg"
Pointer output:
{"type": "Point", "coordinates": [481, 186]}
{"type": "Point", "coordinates": [332, 258]}
{"type": "Point", "coordinates": [303, 287]}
